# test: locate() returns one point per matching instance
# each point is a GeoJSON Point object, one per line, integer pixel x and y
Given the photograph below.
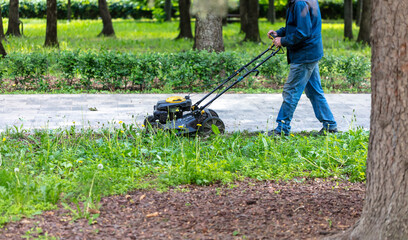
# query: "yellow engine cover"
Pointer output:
{"type": "Point", "coordinates": [175, 99]}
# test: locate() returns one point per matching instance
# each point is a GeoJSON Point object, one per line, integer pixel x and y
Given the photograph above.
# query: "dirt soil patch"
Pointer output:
{"type": "Point", "coordinates": [244, 210]}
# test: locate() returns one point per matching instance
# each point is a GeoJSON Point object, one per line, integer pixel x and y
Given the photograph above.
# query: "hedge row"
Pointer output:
{"type": "Point", "coordinates": [79, 9]}
{"type": "Point", "coordinates": [136, 10]}
{"type": "Point", "coordinates": [185, 71]}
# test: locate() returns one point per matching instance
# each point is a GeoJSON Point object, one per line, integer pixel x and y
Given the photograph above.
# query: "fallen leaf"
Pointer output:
{"type": "Point", "coordinates": [25, 221]}
{"type": "Point", "coordinates": [155, 214]}
{"type": "Point", "coordinates": [93, 211]}
{"type": "Point", "coordinates": [141, 197]}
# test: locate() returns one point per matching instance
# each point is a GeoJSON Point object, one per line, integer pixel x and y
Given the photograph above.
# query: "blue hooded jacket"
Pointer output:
{"type": "Point", "coordinates": [302, 34]}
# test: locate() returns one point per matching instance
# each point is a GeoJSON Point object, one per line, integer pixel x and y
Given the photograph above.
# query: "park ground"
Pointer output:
{"type": "Point", "coordinates": [298, 209]}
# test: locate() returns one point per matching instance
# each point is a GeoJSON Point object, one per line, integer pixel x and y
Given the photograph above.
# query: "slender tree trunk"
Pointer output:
{"type": "Point", "coordinates": [348, 19]}
{"type": "Point", "coordinates": [2, 50]}
{"type": "Point", "coordinates": [252, 28]}
{"type": "Point", "coordinates": [365, 24]}
{"type": "Point", "coordinates": [271, 15]}
{"type": "Point", "coordinates": [2, 36]}
{"type": "Point", "coordinates": [51, 39]}
{"type": "Point", "coordinates": [359, 11]}
{"type": "Point", "coordinates": [185, 19]}
{"type": "Point", "coordinates": [107, 30]}
{"type": "Point", "coordinates": [243, 14]}
{"type": "Point", "coordinates": [208, 33]}
{"type": "Point", "coordinates": [385, 211]}
{"type": "Point", "coordinates": [167, 10]}
{"type": "Point", "coordinates": [14, 19]}
{"type": "Point", "coordinates": [69, 11]}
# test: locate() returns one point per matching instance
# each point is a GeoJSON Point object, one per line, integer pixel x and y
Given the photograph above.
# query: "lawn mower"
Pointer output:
{"type": "Point", "coordinates": [179, 114]}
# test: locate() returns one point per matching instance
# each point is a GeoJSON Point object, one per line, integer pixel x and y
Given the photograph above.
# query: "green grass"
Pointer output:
{"type": "Point", "coordinates": [149, 36]}
{"type": "Point", "coordinates": [40, 169]}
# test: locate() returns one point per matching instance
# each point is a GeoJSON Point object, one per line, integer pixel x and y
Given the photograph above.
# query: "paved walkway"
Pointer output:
{"type": "Point", "coordinates": [252, 112]}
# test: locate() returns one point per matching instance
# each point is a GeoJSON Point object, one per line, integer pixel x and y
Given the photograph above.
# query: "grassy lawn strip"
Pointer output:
{"type": "Point", "coordinates": [45, 167]}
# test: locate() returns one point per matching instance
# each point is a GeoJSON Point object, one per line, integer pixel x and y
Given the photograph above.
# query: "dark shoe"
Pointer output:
{"type": "Point", "coordinates": [325, 131]}
{"type": "Point", "coordinates": [276, 133]}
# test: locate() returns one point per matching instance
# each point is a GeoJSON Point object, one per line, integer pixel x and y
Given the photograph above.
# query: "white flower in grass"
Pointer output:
{"type": "Point", "coordinates": [100, 166]}
{"type": "Point", "coordinates": [16, 170]}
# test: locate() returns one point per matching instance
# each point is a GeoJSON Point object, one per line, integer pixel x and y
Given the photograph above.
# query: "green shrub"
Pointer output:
{"type": "Point", "coordinates": [28, 70]}
{"type": "Point", "coordinates": [185, 71]}
{"type": "Point", "coordinates": [330, 9]}
{"type": "Point", "coordinates": [355, 69]}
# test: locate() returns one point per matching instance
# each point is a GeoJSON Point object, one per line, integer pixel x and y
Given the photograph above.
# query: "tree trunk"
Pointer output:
{"type": "Point", "coordinates": [107, 30]}
{"type": "Point", "coordinates": [271, 15]}
{"type": "Point", "coordinates": [51, 39]}
{"type": "Point", "coordinates": [252, 28]}
{"type": "Point", "coordinates": [385, 211]}
{"type": "Point", "coordinates": [359, 11]}
{"type": "Point", "coordinates": [243, 14]}
{"type": "Point", "coordinates": [2, 50]}
{"type": "Point", "coordinates": [185, 22]}
{"type": "Point", "coordinates": [365, 24]}
{"type": "Point", "coordinates": [348, 19]}
{"type": "Point", "coordinates": [2, 36]}
{"type": "Point", "coordinates": [167, 10]}
{"type": "Point", "coordinates": [208, 33]}
{"type": "Point", "coordinates": [14, 19]}
{"type": "Point", "coordinates": [69, 11]}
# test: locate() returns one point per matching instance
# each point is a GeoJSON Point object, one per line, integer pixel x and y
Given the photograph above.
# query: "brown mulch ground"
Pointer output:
{"type": "Point", "coordinates": [244, 210]}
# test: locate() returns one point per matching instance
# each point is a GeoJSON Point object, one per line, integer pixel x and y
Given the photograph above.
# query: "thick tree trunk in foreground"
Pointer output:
{"type": "Point", "coordinates": [51, 39]}
{"type": "Point", "coordinates": [365, 23]}
{"type": "Point", "coordinates": [208, 33]}
{"type": "Point", "coordinates": [185, 19]}
{"type": "Point", "coordinates": [252, 28]}
{"type": "Point", "coordinates": [271, 15]}
{"type": "Point", "coordinates": [385, 212]}
{"type": "Point", "coordinates": [14, 19]}
{"type": "Point", "coordinates": [348, 19]}
{"type": "Point", "coordinates": [107, 30]}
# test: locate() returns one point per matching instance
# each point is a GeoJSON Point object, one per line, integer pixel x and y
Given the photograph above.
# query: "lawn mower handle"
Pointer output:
{"type": "Point", "coordinates": [197, 109]}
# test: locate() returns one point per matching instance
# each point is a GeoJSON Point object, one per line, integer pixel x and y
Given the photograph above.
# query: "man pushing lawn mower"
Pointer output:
{"type": "Point", "coordinates": [303, 39]}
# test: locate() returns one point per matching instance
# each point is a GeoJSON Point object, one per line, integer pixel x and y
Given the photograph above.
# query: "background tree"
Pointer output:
{"type": "Point", "coordinates": [251, 29]}
{"type": "Point", "coordinates": [348, 19]}
{"type": "Point", "coordinates": [385, 211]}
{"type": "Point", "coordinates": [208, 30]}
{"type": "Point", "coordinates": [2, 50]}
{"type": "Point", "coordinates": [167, 10]}
{"type": "Point", "coordinates": [359, 11]}
{"type": "Point", "coordinates": [14, 19]}
{"type": "Point", "coordinates": [69, 11]}
{"type": "Point", "coordinates": [271, 14]}
{"type": "Point", "coordinates": [243, 14]}
{"type": "Point", "coordinates": [107, 30]}
{"type": "Point", "coordinates": [2, 36]}
{"type": "Point", "coordinates": [51, 39]}
{"type": "Point", "coordinates": [185, 19]}
{"type": "Point", "coordinates": [365, 24]}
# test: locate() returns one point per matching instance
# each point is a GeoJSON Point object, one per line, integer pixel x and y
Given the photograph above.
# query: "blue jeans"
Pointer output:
{"type": "Point", "coordinates": [304, 77]}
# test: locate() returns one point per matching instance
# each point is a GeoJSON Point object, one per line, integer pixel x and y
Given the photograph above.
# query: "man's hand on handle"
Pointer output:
{"type": "Point", "coordinates": [276, 40]}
